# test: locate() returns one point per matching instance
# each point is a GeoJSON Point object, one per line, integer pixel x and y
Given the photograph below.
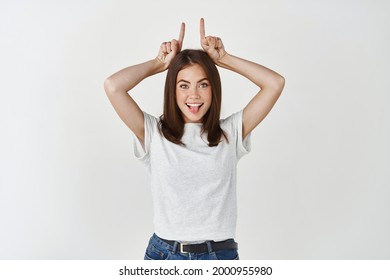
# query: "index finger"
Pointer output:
{"type": "Point", "coordinates": [182, 31]}
{"type": "Point", "coordinates": [202, 29]}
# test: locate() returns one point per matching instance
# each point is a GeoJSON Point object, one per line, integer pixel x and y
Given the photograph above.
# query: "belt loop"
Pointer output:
{"type": "Point", "coordinates": [175, 247]}
{"type": "Point", "coordinates": [209, 248]}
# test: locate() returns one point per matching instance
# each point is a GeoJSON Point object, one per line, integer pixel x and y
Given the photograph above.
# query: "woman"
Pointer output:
{"type": "Point", "coordinates": [191, 154]}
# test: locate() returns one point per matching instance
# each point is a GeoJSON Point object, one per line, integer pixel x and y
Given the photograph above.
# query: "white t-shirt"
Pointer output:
{"type": "Point", "coordinates": [193, 186]}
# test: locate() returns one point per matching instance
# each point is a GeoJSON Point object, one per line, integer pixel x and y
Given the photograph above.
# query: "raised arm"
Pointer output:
{"type": "Point", "coordinates": [119, 84]}
{"type": "Point", "coordinates": [270, 83]}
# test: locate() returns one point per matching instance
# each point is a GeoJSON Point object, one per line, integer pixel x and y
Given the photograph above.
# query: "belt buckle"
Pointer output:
{"type": "Point", "coordinates": [182, 249]}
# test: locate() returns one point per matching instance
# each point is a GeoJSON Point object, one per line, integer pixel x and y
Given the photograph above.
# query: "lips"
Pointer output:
{"type": "Point", "coordinates": [194, 107]}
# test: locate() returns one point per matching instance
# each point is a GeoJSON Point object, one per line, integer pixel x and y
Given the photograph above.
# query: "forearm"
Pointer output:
{"type": "Point", "coordinates": [258, 74]}
{"type": "Point", "coordinates": [127, 78]}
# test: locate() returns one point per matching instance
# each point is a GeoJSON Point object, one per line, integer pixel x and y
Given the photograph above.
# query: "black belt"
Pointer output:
{"type": "Point", "coordinates": [202, 247]}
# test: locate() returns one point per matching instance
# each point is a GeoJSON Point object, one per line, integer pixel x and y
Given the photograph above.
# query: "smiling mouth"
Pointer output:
{"type": "Point", "coordinates": [194, 107]}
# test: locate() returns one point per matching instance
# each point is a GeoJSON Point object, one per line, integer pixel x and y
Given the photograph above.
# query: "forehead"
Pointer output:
{"type": "Point", "coordinates": [193, 71]}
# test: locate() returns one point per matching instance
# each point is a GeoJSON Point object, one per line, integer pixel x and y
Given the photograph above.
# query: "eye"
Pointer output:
{"type": "Point", "coordinates": [183, 86]}
{"type": "Point", "coordinates": [203, 85]}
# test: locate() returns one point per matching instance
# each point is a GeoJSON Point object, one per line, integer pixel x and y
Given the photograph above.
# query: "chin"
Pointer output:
{"type": "Point", "coordinates": [192, 119]}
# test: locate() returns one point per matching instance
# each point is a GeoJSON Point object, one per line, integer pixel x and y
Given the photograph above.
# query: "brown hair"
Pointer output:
{"type": "Point", "coordinates": [171, 122]}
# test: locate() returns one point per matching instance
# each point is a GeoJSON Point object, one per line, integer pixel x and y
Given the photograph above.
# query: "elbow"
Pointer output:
{"type": "Point", "coordinates": [109, 86]}
{"type": "Point", "coordinates": [278, 84]}
{"type": "Point", "coordinates": [281, 81]}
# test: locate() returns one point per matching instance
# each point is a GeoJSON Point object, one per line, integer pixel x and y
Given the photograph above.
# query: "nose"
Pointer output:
{"type": "Point", "coordinates": [194, 94]}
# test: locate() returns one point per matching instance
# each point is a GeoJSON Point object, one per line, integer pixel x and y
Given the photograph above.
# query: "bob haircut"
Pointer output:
{"type": "Point", "coordinates": [171, 122]}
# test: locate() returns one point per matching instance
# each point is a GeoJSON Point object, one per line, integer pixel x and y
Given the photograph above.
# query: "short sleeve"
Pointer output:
{"type": "Point", "coordinates": [234, 123]}
{"type": "Point", "coordinates": [142, 150]}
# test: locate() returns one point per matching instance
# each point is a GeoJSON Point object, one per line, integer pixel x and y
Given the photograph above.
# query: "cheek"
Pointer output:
{"type": "Point", "coordinates": [179, 96]}
{"type": "Point", "coordinates": [208, 96]}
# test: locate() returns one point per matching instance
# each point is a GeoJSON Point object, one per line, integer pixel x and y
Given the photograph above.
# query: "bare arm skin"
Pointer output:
{"type": "Point", "coordinates": [119, 84]}
{"type": "Point", "coordinates": [270, 83]}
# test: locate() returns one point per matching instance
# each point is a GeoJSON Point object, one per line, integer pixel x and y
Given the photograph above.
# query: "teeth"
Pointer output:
{"type": "Point", "coordinates": [193, 105]}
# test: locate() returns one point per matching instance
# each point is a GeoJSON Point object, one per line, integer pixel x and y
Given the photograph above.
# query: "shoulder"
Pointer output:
{"type": "Point", "coordinates": [233, 126]}
{"type": "Point", "coordinates": [150, 120]}
{"type": "Point", "coordinates": [232, 121]}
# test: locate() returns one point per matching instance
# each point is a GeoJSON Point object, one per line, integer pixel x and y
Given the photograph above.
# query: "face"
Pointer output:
{"type": "Point", "coordinates": [193, 93]}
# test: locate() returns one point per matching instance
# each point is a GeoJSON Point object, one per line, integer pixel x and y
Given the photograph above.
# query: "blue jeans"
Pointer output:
{"type": "Point", "coordinates": [159, 250]}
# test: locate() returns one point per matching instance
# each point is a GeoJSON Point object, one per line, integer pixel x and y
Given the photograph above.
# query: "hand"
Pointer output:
{"type": "Point", "coordinates": [168, 50]}
{"type": "Point", "coordinates": [212, 45]}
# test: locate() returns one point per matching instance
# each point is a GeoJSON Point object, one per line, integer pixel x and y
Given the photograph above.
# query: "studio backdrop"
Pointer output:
{"type": "Point", "coordinates": [315, 185]}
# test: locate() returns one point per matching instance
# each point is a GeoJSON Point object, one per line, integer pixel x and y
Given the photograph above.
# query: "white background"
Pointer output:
{"type": "Point", "coordinates": [315, 186]}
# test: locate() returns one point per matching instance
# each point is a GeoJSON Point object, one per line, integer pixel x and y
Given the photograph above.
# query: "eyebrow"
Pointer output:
{"type": "Point", "coordinates": [201, 80]}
